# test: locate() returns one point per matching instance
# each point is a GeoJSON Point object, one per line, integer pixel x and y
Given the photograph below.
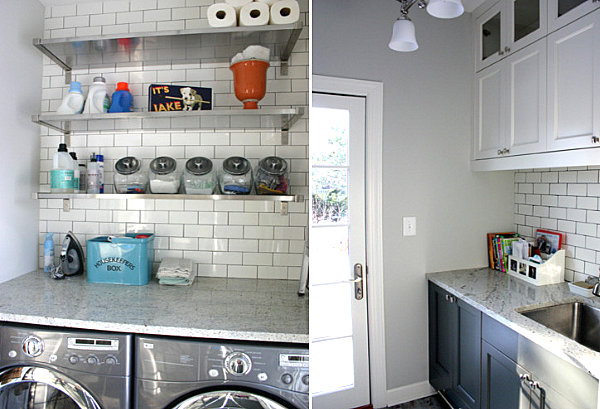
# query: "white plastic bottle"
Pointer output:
{"type": "Point", "coordinates": [97, 101]}
{"type": "Point", "coordinates": [77, 174]}
{"type": "Point", "coordinates": [62, 174]}
{"type": "Point", "coordinates": [93, 175]}
{"type": "Point", "coordinates": [100, 160]}
{"type": "Point", "coordinates": [73, 102]}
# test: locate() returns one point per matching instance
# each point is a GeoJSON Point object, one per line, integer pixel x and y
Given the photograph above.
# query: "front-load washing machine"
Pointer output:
{"type": "Point", "coordinates": [46, 368]}
{"type": "Point", "coordinates": [174, 373]}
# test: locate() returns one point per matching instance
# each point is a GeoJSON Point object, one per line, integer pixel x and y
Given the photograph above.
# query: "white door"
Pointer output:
{"type": "Point", "coordinates": [526, 101]}
{"type": "Point", "coordinates": [490, 123]}
{"type": "Point", "coordinates": [339, 364]}
{"type": "Point", "coordinates": [563, 12]}
{"type": "Point", "coordinates": [573, 84]}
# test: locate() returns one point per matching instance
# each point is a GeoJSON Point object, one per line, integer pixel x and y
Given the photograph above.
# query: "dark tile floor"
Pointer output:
{"type": "Point", "coordinates": [431, 402]}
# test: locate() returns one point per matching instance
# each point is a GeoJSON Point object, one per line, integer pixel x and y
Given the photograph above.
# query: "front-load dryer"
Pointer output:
{"type": "Point", "coordinates": [174, 373]}
{"type": "Point", "coordinates": [47, 368]}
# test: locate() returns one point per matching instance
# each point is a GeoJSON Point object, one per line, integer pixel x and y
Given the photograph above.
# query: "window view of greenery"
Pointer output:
{"type": "Point", "coordinates": [329, 155]}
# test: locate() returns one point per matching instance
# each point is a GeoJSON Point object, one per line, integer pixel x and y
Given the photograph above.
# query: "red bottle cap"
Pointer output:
{"type": "Point", "coordinates": [142, 236]}
{"type": "Point", "coordinates": [122, 86]}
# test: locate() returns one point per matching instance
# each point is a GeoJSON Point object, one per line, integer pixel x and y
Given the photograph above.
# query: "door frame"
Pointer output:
{"type": "Point", "coordinates": [373, 92]}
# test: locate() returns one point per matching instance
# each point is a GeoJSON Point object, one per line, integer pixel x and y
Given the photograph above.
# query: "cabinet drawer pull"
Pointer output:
{"type": "Point", "coordinates": [524, 377]}
{"type": "Point", "coordinates": [506, 49]}
{"type": "Point", "coordinates": [595, 139]}
{"type": "Point", "coordinates": [500, 52]}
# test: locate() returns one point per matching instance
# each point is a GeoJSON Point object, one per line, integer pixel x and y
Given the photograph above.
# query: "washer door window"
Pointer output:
{"type": "Point", "coordinates": [229, 400]}
{"type": "Point", "coordinates": [34, 387]}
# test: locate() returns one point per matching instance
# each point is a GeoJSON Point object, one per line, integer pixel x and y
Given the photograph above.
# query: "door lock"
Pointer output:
{"type": "Point", "coordinates": [358, 281]}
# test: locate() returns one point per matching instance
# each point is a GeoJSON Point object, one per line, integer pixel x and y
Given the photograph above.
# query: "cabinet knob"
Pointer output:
{"type": "Point", "coordinates": [499, 151]}
{"type": "Point", "coordinates": [595, 139]}
{"type": "Point", "coordinates": [501, 52]}
{"type": "Point", "coordinates": [506, 49]}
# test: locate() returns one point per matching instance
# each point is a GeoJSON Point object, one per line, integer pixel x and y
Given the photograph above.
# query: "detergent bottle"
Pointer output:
{"type": "Point", "coordinates": [122, 100]}
{"type": "Point", "coordinates": [48, 252]}
{"type": "Point", "coordinates": [98, 100]}
{"type": "Point", "coordinates": [73, 102]}
{"type": "Point", "coordinates": [62, 173]}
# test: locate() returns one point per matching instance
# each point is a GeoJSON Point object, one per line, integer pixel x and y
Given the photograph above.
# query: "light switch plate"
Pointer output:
{"type": "Point", "coordinates": [409, 226]}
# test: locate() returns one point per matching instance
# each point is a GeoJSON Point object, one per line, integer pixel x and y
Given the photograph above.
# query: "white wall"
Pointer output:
{"type": "Point", "coordinates": [20, 82]}
{"type": "Point", "coordinates": [427, 134]}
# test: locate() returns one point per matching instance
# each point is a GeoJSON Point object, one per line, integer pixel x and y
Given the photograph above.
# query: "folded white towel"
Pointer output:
{"type": "Point", "coordinates": [175, 271]}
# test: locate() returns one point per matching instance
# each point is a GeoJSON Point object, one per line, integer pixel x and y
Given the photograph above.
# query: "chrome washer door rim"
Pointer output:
{"type": "Point", "coordinates": [203, 400]}
{"type": "Point", "coordinates": [34, 374]}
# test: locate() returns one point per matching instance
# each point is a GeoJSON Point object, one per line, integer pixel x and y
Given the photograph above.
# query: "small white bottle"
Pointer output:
{"type": "Point", "coordinates": [100, 160]}
{"type": "Point", "coordinates": [76, 172]}
{"type": "Point", "coordinates": [93, 175]}
{"type": "Point", "coordinates": [62, 174]}
{"type": "Point", "coordinates": [97, 101]}
{"type": "Point", "coordinates": [73, 102]}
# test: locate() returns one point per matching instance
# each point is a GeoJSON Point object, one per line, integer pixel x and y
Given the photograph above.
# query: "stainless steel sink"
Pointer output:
{"type": "Point", "coordinates": [576, 320]}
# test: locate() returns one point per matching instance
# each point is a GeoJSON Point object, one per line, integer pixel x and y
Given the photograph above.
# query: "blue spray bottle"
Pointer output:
{"type": "Point", "coordinates": [48, 253]}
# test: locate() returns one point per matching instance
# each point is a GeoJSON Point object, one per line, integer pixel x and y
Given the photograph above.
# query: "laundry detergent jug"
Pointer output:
{"type": "Point", "coordinates": [97, 101]}
{"type": "Point", "coordinates": [122, 100]}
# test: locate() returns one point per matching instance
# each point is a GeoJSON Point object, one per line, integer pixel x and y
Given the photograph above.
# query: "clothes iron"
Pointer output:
{"type": "Point", "coordinates": [72, 259]}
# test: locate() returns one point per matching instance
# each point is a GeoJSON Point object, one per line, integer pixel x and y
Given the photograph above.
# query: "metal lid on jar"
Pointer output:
{"type": "Point", "coordinates": [128, 165]}
{"type": "Point", "coordinates": [236, 165]}
{"type": "Point", "coordinates": [199, 165]}
{"type": "Point", "coordinates": [163, 165]}
{"type": "Point", "coordinates": [273, 165]}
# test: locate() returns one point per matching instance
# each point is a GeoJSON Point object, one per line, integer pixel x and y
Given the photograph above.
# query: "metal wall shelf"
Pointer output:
{"type": "Point", "coordinates": [265, 118]}
{"type": "Point", "coordinates": [206, 45]}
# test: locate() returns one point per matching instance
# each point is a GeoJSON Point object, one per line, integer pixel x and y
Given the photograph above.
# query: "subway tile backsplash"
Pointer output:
{"type": "Point", "coordinates": [224, 239]}
{"type": "Point", "coordinates": [565, 200]}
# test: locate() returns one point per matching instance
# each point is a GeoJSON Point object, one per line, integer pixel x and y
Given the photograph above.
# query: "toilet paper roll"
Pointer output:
{"type": "Point", "coordinates": [221, 15]}
{"type": "Point", "coordinates": [254, 14]}
{"type": "Point", "coordinates": [284, 12]}
{"type": "Point", "coordinates": [268, 2]}
{"type": "Point", "coordinates": [238, 4]}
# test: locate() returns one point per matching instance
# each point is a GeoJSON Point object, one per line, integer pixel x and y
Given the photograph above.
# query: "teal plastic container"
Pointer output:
{"type": "Point", "coordinates": [123, 260]}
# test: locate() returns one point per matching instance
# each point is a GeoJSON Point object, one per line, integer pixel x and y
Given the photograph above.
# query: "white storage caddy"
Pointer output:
{"type": "Point", "coordinates": [552, 271]}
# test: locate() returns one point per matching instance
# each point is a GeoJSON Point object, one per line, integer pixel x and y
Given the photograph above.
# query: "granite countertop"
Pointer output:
{"type": "Point", "coordinates": [502, 297]}
{"type": "Point", "coordinates": [222, 308]}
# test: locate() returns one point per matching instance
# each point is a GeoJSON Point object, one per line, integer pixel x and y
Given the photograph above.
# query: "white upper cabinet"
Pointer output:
{"type": "Point", "coordinates": [510, 105]}
{"type": "Point", "coordinates": [506, 27]}
{"type": "Point", "coordinates": [526, 100]}
{"type": "Point", "coordinates": [574, 84]}
{"type": "Point", "coordinates": [563, 12]}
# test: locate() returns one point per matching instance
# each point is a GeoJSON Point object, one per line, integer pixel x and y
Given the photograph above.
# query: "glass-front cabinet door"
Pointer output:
{"type": "Point", "coordinates": [527, 23]}
{"type": "Point", "coordinates": [489, 36]}
{"type": "Point", "coordinates": [563, 12]}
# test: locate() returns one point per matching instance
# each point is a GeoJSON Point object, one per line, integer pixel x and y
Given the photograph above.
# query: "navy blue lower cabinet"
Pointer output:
{"type": "Point", "coordinates": [454, 348]}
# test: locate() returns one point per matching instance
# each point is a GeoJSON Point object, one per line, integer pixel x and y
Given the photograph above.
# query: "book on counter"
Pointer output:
{"type": "Point", "coordinates": [499, 248]}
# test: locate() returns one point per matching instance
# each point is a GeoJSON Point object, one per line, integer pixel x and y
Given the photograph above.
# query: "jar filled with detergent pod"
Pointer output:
{"type": "Point", "coordinates": [271, 177]}
{"type": "Point", "coordinates": [129, 177]}
{"type": "Point", "coordinates": [199, 176]}
{"type": "Point", "coordinates": [163, 176]}
{"type": "Point", "coordinates": [236, 176]}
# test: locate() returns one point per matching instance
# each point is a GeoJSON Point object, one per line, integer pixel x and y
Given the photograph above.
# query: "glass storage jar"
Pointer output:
{"type": "Point", "coordinates": [199, 176]}
{"type": "Point", "coordinates": [236, 176]}
{"type": "Point", "coordinates": [271, 177]}
{"type": "Point", "coordinates": [163, 176]}
{"type": "Point", "coordinates": [129, 177]}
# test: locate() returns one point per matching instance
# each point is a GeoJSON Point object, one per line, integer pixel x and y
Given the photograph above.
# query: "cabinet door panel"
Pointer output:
{"type": "Point", "coordinates": [527, 22]}
{"type": "Point", "coordinates": [573, 80]}
{"type": "Point", "coordinates": [502, 387]}
{"type": "Point", "coordinates": [442, 338]}
{"type": "Point", "coordinates": [563, 12]}
{"type": "Point", "coordinates": [489, 36]}
{"type": "Point", "coordinates": [527, 99]}
{"type": "Point", "coordinates": [489, 112]}
{"type": "Point", "coordinates": [468, 372]}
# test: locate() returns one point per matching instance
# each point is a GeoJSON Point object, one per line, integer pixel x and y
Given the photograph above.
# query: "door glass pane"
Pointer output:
{"type": "Point", "coordinates": [564, 6]}
{"type": "Point", "coordinates": [325, 377]}
{"type": "Point", "coordinates": [34, 396]}
{"type": "Point", "coordinates": [329, 196]}
{"type": "Point", "coordinates": [329, 146]}
{"type": "Point", "coordinates": [490, 36]}
{"type": "Point", "coordinates": [329, 256]}
{"type": "Point", "coordinates": [527, 17]}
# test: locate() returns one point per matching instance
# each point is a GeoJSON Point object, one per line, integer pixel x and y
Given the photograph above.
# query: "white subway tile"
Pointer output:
{"type": "Point", "coordinates": [587, 176]}
{"type": "Point", "coordinates": [169, 230]}
{"type": "Point", "coordinates": [125, 216]}
{"type": "Point", "coordinates": [273, 246]}
{"type": "Point", "coordinates": [131, 17]}
{"type": "Point", "coordinates": [88, 31]}
{"type": "Point", "coordinates": [567, 226]}
{"type": "Point", "coordinates": [164, 4]}
{"type": "Point", "coordinates": [113, 204]}
{"type": "Point", "coordinates": [593, 217]}
{"type": "Point", "coordinates": [292, 233]}
{"type": "Point", "coordinates": [159, 254]}
{"type": "Point", "coordinates": [169, 204]}
{"type": "Point", "coordinates": [102, 19]}
{"type": "Point", "coordinates": [198, 231]}
{"type": "Point", "coordinates": [242, 271]}
{"type": "Point", "coordinates": [112, 6]}
{"type": "Point", "coordinates": [142, 4]}
{"type": "Point", "coordinates": [199, 205]}
{"type": "Point", "coordinates": [170, 25]}
{"type": "Point", "coordinates": [73, 215]}
{"type": "Point", "coordinates": [186, 13]}
{"type": "Point", "coordinates": [229, 232]}
{"type": "Point", "coordinates": [203, 257]}
{"type": "Point", "coordinates": [558, 189]}
{"type": "Point", "coordinates": [229, 206]}
{"type": "Point", "coordinates": [575, 189]}
{"type": "Point", "coordinates": [272, 273]}
{"type": "Point", "coordinates": [116, 29]}
{"type": "Point", "coordinates": [590, 203]}
{"type": "Point", "coordinates": [587, 229]}
{"type": "Point", "coordinates": [243, 245]}
{"type": "Point", "coordinates": [227, 257]}
{"type": "Point", "coordinates": [183, 217]}
{"type": "Point", "coordinates": [98, 216]}
{"type": "Point", "coordinates": [64, 10]}
{"type": "Point", "coordinates": [154, 216]}
{"type": "Point", "coordinates": [585, 255]}
{"type": "Point", "coordinates": [76, 21]}
{"type": "Point", "coordinates": [243, 218]}
{"type": "Point", "coordinates": [53, 24]}
{"type": "Point", "coordinates": [577, 215]}
{"type": "Point", "coordinates": [158, 139]}
{"type": "Point", "coordinates": [567, 201]}
{"type": "Point", "coordinates": [142, 27]}
{"type": "Point", "coordinates": [209, 244]}
{"type": "Point", "coordinates": [157, 15]}
{"type": "Point", "coordinates": [280, 259]}
{"type": "Point", "coordinates": [183, 243]}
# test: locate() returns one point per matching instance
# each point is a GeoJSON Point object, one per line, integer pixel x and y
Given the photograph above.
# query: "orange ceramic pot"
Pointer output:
{"type": "Point", "coordinates": [250, 81]}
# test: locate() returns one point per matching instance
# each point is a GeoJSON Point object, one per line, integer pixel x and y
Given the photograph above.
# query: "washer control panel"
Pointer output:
{"type": "Point", "coordinates": [92, 352]}
{"type": "Point", "coordinates": [238, 363]}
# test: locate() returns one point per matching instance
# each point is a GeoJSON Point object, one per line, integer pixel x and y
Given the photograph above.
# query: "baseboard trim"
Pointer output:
{"type": "Point", "coordinates": [409, 393]}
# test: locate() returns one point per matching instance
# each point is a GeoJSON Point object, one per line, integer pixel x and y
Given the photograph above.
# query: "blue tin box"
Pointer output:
{"type": "Point", "coordinates": [120, 260]}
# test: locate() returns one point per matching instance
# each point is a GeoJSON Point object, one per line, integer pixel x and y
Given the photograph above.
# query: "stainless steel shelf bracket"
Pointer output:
{"type": "Point", "coordinates": [283, 208]}
{"type": "Point", "coordinates": [66, 205]}
{"type": "Point", "coordinates": [285, 137]}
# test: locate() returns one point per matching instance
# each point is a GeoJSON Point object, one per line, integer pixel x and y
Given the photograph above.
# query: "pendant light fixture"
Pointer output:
{"type": "Point", "coordinates": [403, 33]}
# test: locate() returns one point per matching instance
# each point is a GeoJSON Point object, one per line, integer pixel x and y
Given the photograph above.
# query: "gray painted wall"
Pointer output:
{"type": "Point", "coordinates": [20, 82]}
{"type": "Point", "coordinates": [427, 137]}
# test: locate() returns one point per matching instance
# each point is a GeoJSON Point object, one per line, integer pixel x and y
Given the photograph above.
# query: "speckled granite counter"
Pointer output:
{"type": "Point", "coordinates": [238, 309]}
{"type": "Point", "coordinates": [502, 297]}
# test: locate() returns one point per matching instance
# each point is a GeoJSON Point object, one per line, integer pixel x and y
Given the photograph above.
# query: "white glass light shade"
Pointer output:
{"type": "Point", "coordinates": [403, 36]}
{"type": "Point", "coordinates": [445, 8]}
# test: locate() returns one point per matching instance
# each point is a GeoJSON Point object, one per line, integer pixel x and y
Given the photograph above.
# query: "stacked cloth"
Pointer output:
{"type": "Point", "coordinates": [175, 271]}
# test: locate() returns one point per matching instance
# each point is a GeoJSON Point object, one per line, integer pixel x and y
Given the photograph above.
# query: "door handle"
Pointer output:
{"type": "Point", "coordinates": [358, 281]}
